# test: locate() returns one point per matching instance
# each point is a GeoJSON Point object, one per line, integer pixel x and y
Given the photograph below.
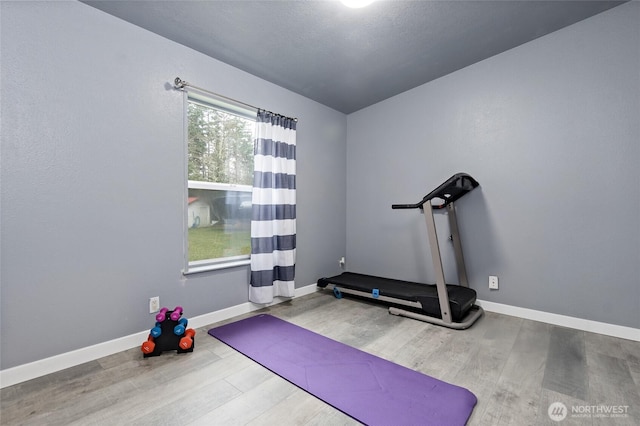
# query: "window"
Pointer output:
{"type": "Point", "coordinates": [220, 174]}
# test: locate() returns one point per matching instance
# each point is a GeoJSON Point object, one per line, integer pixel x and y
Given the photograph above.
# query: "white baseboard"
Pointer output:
{"type": "Point", "coordinates": [620, 331]}
{"type": "Point", "coordinates": [244, 308]}
{"type": "Point", "coordinates": [32, 370]}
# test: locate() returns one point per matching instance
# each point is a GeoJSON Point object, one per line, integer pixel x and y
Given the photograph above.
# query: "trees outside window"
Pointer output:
{"type": "Point", "coordinates": [220, 175]}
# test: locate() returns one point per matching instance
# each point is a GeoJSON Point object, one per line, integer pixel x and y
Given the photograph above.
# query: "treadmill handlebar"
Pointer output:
{"type": "Point", "coordinates": [406, 206]}
{"type": "Point", "coordinates": [453, 188]}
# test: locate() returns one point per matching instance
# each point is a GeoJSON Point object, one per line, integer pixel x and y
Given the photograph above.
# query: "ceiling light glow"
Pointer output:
{"type": "Point", "coordinates": [356, 4]}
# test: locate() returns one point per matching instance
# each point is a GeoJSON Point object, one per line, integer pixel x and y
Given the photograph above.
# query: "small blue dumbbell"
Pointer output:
{"type": "Point", "coordinates": [156, 331]}
{"type": "Point", "coordinates": [182, 325]}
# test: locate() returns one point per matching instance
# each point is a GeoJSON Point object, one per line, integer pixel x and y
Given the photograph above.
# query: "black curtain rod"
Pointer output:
{"type": "Point", "coordinates": [181, 84]}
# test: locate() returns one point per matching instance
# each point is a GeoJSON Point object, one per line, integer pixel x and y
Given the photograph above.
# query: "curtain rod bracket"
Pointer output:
{"type": "Point", "coordinates": [179, 83]}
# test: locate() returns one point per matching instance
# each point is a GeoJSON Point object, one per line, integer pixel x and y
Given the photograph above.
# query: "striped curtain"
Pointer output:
{"type": "Point", "coordinates": [273, 220]}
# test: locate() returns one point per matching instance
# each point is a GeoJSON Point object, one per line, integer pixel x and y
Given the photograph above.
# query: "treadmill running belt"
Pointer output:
{"type": "Point", "coordinates": [461, 299]}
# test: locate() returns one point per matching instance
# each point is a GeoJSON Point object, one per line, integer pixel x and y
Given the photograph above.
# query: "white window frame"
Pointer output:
{"type": "Point", "coordinates": [231, 108]}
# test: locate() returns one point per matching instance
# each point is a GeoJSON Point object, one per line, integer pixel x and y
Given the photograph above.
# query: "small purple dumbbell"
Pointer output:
{"type": "Point", "coordinates": [176, 314]}
{"type": "Point", "coordinates": [162, 315]}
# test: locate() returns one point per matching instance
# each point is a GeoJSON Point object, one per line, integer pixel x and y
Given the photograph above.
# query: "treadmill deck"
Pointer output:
{"type": "Point", "coordinates": [461, 299]}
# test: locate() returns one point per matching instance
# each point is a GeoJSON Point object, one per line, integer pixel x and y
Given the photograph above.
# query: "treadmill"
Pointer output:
{"type": "Point", "coordinates": [442, 304]}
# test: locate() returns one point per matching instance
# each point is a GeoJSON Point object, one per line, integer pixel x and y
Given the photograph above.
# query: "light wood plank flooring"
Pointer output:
{"type": "Point", "coordinates": [515, 367]}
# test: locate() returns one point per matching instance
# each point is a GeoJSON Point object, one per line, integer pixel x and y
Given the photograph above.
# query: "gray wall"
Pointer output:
{"type": "Point", "coordinates": [551, 131]}
{"type": "Point", "coordinates": [92, 194]}
{"type": "Point", "coordinates": [92, 179]}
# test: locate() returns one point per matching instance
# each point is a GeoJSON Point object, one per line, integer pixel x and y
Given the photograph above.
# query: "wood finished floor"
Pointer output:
{"type": "Point", "coordinates": [515, 367]}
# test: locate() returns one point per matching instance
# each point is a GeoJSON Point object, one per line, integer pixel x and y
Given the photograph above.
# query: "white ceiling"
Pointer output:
{"type": "Point", "coordinates": [346, 58]}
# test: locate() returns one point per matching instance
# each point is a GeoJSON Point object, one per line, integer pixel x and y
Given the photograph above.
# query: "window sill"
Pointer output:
{"type": "Point", "coordinates": [216, 266]}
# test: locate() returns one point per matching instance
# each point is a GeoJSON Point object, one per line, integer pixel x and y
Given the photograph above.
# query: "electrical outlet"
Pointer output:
{"type": "Point", "coordinates": [154, 304]}
{"type": "Point", "coordinates": [341, 262]}
{"type": "Point", "coordinates": [493, 282]}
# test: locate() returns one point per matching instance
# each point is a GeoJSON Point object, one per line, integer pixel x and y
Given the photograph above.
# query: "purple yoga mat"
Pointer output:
{"type": "Point", "coordinates": [370, 389]}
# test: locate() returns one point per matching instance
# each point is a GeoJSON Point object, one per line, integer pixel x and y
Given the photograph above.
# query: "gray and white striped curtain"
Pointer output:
{"type": "Point", "coordinates": [273, 221]}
